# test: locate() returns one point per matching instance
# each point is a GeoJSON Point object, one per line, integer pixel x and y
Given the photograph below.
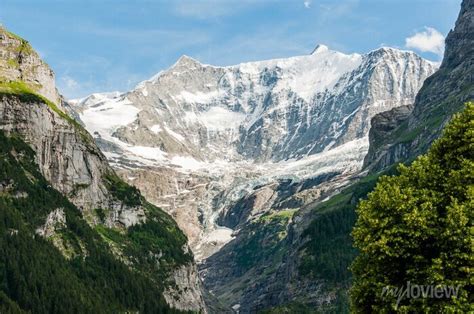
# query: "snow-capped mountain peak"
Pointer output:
{"type": "Point", "coordinates": [187, 62]}
{"type": "Point", "coordinates": [292, 117]}
{"type": "Point", "coordinates": [266, 110]}
{"type": "Point", "coordinates": [320, 48]}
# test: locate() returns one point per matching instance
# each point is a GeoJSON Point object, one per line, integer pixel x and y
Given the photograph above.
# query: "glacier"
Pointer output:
{"type": "Point", "coordinates": [196, 138]}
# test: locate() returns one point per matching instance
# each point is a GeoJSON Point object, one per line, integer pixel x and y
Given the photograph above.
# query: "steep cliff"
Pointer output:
{"type": "Point", "coordinates": [210, 134]}
{"type": "Point", "coordinates": [260, 111]}
{"type": "Point", "coordinates": [19, 62]}
{"type": "Point", "coordinates": [141, 237]}
{"type": "Point", "coordinates": [398, 136]}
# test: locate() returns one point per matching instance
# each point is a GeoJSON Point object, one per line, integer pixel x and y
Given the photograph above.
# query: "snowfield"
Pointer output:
{"type": "Point", "coordinates": [234, 128]}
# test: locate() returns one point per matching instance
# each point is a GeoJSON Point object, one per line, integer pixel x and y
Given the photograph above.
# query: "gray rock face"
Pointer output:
{"type": "Point", "coordinates": [443, 94]}
{"type": "Point", "coordinates": [253, 204]}
{"type": "Point", "coordinates": [263, 111]}
{"type": "Point", "coordinates": [181, 195]}
{"type": "Point", "coordinates": [69, 159]}
{"type": "Point", "coordinates": [56, 219]}
{"type": "Point", "coordinates": [186, 295]}
{"type": "Point", "coordinates": [210, 134]}
{"type": "Point", "coordinates": [19, 62]}
{"type": "Point", "coordinates": [382, 124]}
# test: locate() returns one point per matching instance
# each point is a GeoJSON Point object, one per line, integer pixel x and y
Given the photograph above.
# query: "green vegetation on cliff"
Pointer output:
{"type": "Point", "coordinates": [36, 276]}
{"type": "Point", "coordinates": [418, 227]}
{"type": "Point", "coordinates": [124, 192]}
{"type": "Point", "coordinates": [328, 251]}
{"type": "Point", "coordinates": [264, 239]}
{"type": "Point", "coordinates": [27, 94]}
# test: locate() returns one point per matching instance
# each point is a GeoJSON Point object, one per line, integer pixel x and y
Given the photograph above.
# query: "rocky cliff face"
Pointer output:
{"type": "Point", "coordinates": [19, 62]}
{"type": "Point", "coordinates": [404, 136]}
{"type": "Point", "coordinates": [260, 111]}
{"type": "Point", "coordinates": [69, 159]}
{"type": "Point", "coordinates": [212, 134]}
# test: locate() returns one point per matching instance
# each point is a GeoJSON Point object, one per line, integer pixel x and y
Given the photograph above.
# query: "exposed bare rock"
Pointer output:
{"type": "Point", "coordinates": [186, 295]}
{"type": "Point", "coordinates": [19, 62]}
{"type": "Point", "coordinates": [443, 94]}
{"type": "Point", "coordinates": [55, 220]}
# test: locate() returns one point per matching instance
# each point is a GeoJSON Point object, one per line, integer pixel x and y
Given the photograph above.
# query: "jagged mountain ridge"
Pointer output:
{"type": "Point", "coordinates": [261, 111]}
{"type": "Point", "coordinates": [211, 134]}
{"type": "Point", "coordinates": [408, 132]}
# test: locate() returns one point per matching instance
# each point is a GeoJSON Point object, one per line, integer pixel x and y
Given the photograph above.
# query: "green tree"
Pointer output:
{"type": "Point", "coordinates": [417, 227]}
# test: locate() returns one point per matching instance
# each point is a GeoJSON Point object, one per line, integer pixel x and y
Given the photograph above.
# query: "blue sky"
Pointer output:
{"type": "Point", "coordinates": [107, 45]}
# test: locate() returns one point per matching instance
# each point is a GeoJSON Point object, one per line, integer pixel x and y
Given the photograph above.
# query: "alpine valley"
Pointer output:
{"type": "Point", "coordinates": [205, 188]}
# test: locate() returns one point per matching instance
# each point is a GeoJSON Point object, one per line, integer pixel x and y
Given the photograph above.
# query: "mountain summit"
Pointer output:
{"type": "Point", "coordinates": [320, 48]}
{"type": "Point", "coordinates": [240, 126]}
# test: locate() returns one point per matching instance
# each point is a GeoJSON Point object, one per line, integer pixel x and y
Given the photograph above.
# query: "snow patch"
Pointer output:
{"type": "Point", "coordinates": [177, 136]}
{"type": "Point", "coordinates": [307, 75]}
{"type": "Point", "coordinates": [219, 118]}
{"type": "Point", "coordinates": [152, 153]}
{"type": "Point", "coordinates": [197, 97]}
{"type": "Point", "coordinates": [187, 163]}
{"type": "Point", "coordinates": [156, 128]}
{"type": "Point", "coordinates": [108, 115]}
{"type": "Point", "coordinates": [219, 235]}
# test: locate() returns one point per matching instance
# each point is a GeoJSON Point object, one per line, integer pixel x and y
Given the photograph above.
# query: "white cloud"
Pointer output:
{"type": "Point", "coordinates": [429, 40]}
{"type": "Point", "coordinates": [307, 4]}
{"type": "Point", "coordinates": [68, 86]}
{"type": "Point", "coordinates": [70, 82]}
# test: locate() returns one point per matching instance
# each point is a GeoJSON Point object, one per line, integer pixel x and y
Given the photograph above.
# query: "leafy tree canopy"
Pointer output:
{"type": "Point", "coordinates": [417, 227]}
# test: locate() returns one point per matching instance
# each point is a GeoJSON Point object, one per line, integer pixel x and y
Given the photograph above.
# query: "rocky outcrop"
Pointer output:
{"type": "Point", "coordinates": [65, 153]}
{"type": "Point", "coordinates": [186, 294]}
{"type": "Point", "coordinates": [382, 125]}
{"type": "Point", "coordinates": [181, 195]}
{"type": "Point", "coordinates": [19, 62]}
{"type": "Point", "coordinates": [70, 161]}
{"type": "Point", "coordinates": [258, 202]}
{"type": "Point", "coordinates": [442, 94]}
{"type": "Point", "coordinates": [55, 220]}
